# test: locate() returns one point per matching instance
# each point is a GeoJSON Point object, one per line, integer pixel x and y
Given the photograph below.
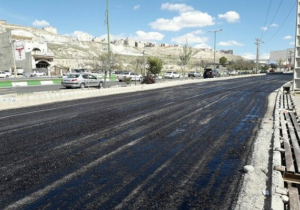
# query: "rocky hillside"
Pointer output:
{"type": "Point", "coordinates": [71, 53]}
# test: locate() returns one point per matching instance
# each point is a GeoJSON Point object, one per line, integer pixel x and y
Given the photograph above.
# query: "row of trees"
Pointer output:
{"type": "Point", "coordinates": [153, 65]}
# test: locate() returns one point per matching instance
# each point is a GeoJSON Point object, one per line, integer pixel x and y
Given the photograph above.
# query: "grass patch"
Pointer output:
{"type": "Point", "coordinates": [33, 82]}
{"type": "Point", "coordinates": [5, 84]}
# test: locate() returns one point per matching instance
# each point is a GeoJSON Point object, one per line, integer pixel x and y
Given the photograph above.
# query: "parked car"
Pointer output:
{"type": "Point", "coordinates": [272, 71]}
{"type": "Point", "coordinates": [131, 75]}
{"type": "Point", "coordinates": [263, 71]}
{"type": "Point", "coordinates": [211, 73]}
{"type": "Point", "coordinates": [7, 72]}
{"type": "Point", "coordinates": [194, 74]}
{"type": "Point", "coordinates": [37, 73]}
{"type": "Point", "coordinates": [172, 74]}
{"type": "Point", "coordinates": [3, 74]}
{"type": "Point", "coordinates": [81, 80]}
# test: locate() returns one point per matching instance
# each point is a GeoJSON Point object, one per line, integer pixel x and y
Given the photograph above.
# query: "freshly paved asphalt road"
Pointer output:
{"type": "Point", "coordinates": [175, 148]}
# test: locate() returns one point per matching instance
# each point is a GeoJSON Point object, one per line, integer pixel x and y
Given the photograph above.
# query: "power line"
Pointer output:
{"type": "Point", "coordinates": [282, 23]}
{"type": "Point", "coordinates": [266, 17]}
{"type": "Point", "coordinates": [273, 18]}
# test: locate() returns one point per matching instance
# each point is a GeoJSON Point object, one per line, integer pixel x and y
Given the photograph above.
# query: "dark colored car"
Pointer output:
{"type": "Point", "coordinates": [210, 73]}
{"type": "Point", "coordinates": [263, 71]}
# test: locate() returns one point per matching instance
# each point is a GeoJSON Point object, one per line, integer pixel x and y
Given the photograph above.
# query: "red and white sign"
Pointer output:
{"type": "Point", "coordinates": [19, 51]}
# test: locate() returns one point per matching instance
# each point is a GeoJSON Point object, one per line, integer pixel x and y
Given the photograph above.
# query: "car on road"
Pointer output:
{"type": "Point", "coordinates": [3, 74]}
{"type": "Point", "coordinates": [194, 74]}
{"type": "Point", "coordinates": [81, 80]}
{"type": "Point", "coordinates": [7, 72]}
{"type": "Point", "coordinates": [172, 74]}
{"type": "Point", "coordinates": [37, 73]}
{"type": "Point", "coordinates": [211, 73]}
{"type": "Point", "coordinates": [263, 71]}
{"type": "Point", "coordinates": [272, 71]}
{"type": "Point", "coordinates": [131, 75]}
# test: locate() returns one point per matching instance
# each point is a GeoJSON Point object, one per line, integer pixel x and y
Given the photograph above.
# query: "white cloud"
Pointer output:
{"type": "Point", "coordinates": [190, 38]}
{"type": "Point", "coordinates": [177, 7]}
{"type": "Point", "coordinates": [274, 25]}
{"type": "Point", "coordinates": [264, 56]}
{"type": "Point", "coordinates": [40, 23]}
{"type": "Point", "coordinates": [253, 56]}
{"type": "Point", "coordinates": [288, 37]}
{"type": "Point", "coordinates": [231, 43]}
{"type": "Point", "coordinates": [248, 56]}
{"type": "Point", "coordinates": [149, 36]}
{"type": "Point", "coordinates": [198, 32]}
{"type": "Point", "coordinates": [202, 46]}
{"type": "Point", "coordinates": [231, 16]}
{"type": "Point", "coordinates": [264, 28]}
{"type": "Point", "coordinates": [292, 43]}
{"type": "Point", "coordinates": [190, 19]}
{"type": "Point", "coordinates": [136, 7]}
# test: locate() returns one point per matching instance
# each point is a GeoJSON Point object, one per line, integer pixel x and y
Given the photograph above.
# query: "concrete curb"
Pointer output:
{"type": "Point", "coordinates": [277, 180]}
{"type": "Point", "coordinates": [11, 101]}
{"type": "Point", "coordinates": [29, 83]}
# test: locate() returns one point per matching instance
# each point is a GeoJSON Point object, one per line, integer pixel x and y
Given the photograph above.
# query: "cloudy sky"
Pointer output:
{"type": "Point", "coordinates": [172, 22]}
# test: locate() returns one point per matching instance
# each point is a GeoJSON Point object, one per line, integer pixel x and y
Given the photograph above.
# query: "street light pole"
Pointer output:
{"type": "Point", "coordinates": [13, 54]}
{"type": "Point", "coordinates": [215, 32]}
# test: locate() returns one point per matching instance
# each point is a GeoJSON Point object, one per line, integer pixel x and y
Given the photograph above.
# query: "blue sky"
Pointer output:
{"type": "Point", "coordinates": [170, 21]}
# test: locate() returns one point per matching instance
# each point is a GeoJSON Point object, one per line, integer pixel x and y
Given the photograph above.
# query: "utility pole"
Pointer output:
{"type": "Point", "coordinates": [107, 23]}
{"type": "Point", "coordinates": [144, 64]}
{"type": "Point", "coordinates": [257, 54]}
{"type": "Point", "coordinates": [108, 43]}
{"type": "Point", "coordinates": [13, 54]}
{"type": "Point", "coordinates": [290, 59]}
{"type": "Point", "coordinates": [215, 32]}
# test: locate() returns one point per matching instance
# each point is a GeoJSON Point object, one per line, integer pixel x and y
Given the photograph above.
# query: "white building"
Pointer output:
{"type": "Point", "coordinates": [50, 30]}
{"type": "Point", "coordinates": [129, 42]}
{"type": "Point", "coordinates": [84, 37]}
{"type": "Point", "coordinates": [20, 47]}
{"type": "Point", "coordinates": [285, 56]}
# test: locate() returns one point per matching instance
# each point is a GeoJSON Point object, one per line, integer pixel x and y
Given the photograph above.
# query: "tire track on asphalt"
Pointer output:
{"type": "Point", "coordinates": [47, 189]}
{"type": "Point", "coordinates": [174, 171]}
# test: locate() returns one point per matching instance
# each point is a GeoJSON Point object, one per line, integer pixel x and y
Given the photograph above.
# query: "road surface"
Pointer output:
{"type": "Point", "coordinates": [181, 147]}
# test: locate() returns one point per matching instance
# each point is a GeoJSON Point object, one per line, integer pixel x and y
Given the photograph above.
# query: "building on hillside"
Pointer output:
{"type": "Point", "coordinates": [21, 48]}
{"type": "Point", "coordinates": [50, 30]}
{"type": "Point", "coordinates": [3, 22]}
{"type": "Point", "coordinates": [84, 37]}
{"type": "Point", "coordinates": [140, 44]}
{"type": "Point", "coordinates": [228, 52]}
{"type": "Point", "coordinates": [286, 57]}
{"type": "Point", "coordinates": [129, 42]}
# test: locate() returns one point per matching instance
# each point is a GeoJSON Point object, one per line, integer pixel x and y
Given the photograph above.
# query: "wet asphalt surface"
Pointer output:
{"type": "Point", "coordinates": [182, 147]}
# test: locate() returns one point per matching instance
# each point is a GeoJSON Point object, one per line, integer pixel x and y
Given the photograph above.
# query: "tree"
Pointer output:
{"type": "Point", "coordinates": [185, 57]}
{"type": "Point", "coordinates": [155, 65]}
{"type": "Point", "coordinates": [107, 61]}
{"type": "Point", "coordinates": [223, 61]}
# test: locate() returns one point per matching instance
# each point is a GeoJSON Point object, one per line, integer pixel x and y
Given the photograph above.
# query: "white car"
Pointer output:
{"type": "Point", "coordinates": [7, 72]}
{"type": "Point", "coordinates": [37, 73]}
{"type": "Point", "coordinates": [172, 74]}
{"type": "Point", "coordinates": [131, 75]}
{"type": "Point", "coordinates": [3, 74]}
